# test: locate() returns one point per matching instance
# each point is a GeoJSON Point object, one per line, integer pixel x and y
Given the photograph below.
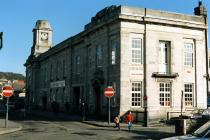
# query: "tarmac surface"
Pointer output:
{"type": "Point", "coordinates": [13, 126]}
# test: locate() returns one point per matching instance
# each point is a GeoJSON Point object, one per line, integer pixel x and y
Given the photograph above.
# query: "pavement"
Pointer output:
{"type": "Point", "coordinates": [11, 127]}
{"type": "Point", "coordinates": [91, 120]}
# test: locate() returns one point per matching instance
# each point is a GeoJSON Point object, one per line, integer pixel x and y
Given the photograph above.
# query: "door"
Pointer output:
{"type": "Point", "coordinates": [76, 99]}
{"type": "Point", "coordinates": [164, 57]}
{"type": "Point", "coordinates": [97, 101]}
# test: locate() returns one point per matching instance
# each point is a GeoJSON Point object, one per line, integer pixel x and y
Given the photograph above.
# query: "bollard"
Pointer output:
{"type": "Point", "coordinates": [180, 127]}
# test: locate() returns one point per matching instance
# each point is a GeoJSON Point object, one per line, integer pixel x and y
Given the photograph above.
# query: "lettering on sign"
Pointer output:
{"type": "Point", "coordinates": [57, 84]}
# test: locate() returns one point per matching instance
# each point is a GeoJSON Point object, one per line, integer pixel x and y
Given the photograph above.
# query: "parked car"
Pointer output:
{"type": "Point", "coordinates": [206, 114]}
{"type": "Point", "coordinates": [200, 114]}
{"type": "Point", "coordinates": [202, 133]}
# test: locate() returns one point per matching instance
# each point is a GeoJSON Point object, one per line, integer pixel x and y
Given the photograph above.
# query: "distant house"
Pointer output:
{"type": "Point", "coordinates": [2, 83]}
{"type": "Point", "coordinates": [149, 57]}
{"type": "Point", "coordinates": [18, 85]}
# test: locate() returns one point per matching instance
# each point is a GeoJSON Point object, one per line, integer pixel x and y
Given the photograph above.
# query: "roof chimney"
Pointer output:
{"type": "Point", "coordinates": [200, 2]}
{"type": "Point", "coordinates": [200, 10]}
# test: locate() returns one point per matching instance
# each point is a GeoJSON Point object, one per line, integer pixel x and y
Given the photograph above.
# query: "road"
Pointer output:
{"type": "Point", "coordinates": [42, 128]}
{"type": "Point", "coordinates": [46, 130]}
{"type": "Point", "coordinates": [62, 130]}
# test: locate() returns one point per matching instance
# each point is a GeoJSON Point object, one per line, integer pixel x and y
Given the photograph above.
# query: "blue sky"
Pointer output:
{"type": "Point", "coordinates": [67, 18]}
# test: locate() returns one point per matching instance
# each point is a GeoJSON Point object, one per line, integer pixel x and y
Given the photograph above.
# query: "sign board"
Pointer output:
{"type": "Point", "coordinates": [109, 92]}
{"type": "Point", "coordinates": [7, 91]}
{"type": "Point", "coordinates": [57, 84]}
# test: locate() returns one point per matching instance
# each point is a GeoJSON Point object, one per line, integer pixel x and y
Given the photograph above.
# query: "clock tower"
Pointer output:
{"type": "Point", "coordinates": [42, 37]}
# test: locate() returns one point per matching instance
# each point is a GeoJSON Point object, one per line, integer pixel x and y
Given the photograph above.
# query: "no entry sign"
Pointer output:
{"type": "Point", "coordinates": [7, 91]}
{"type": "Point", "coordinates": [109, 92]}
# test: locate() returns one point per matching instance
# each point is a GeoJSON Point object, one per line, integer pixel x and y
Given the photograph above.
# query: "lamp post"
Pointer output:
{"type": "Point", "coordinates": [1, 40]}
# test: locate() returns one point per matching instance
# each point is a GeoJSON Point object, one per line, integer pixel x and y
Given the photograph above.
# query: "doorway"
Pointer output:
{"type": "Point", "coordinates": [164, 57]}
{"type": "Point", "coordinates": [76, 99]}
{"type": "Point", "coordinates": [97, 101]}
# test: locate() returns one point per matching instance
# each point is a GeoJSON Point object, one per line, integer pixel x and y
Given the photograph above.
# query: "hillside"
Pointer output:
{"type": "Point", "coordinates": [11, 76]}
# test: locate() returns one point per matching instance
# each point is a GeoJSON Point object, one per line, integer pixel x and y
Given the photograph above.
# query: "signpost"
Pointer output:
{"type": "Point", "coordinates": [7, 92]}
{"type": "Point", "coordinates": [109, 92]}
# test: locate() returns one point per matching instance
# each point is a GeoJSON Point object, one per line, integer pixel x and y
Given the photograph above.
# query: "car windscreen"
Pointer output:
{"type": "Point", "coordinates": [202, 130]}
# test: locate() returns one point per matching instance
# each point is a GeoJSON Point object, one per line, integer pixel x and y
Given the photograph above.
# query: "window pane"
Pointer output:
{"type": "Point", "coordinates": [188, 94]}
{"type": "Point", "coordinates": [136, 94]}
{"type": "Point", "coordinates": [165, 94]}
{"type": "Point", "coordinates": [164, 56]}
{"type": "Point", "coordinates": [113, 52]}
{"type": "Point", "coordinates": [188, 54]}
{"type": "Point", "coordinates": [99, 55]}
{"type": "Point", "coordinates": [136, 51]}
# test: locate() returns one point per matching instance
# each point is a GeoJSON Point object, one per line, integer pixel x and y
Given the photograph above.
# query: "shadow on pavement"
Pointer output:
{"type": "Point", "coordinates": [155, 135]}
{"type": "Point", "coordinates": [142, 134]}
{"type": "Point", "coordinates": [39, 115]}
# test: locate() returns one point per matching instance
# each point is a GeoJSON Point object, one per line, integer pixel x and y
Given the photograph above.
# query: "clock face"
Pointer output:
{"type": "Point", "coordinates": [44, 36]}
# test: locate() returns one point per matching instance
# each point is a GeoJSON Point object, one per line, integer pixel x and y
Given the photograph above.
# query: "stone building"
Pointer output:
{"type": "Point", "coordinates": [149, 57]}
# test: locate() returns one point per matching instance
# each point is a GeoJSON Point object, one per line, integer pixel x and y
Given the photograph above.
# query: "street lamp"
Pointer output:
{"type": "Point", "coordinates": [1, 40]}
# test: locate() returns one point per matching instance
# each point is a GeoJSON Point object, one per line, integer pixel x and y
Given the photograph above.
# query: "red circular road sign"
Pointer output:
{"type": "Point", "coordinates": [7, 91]}
{"type": "Point", "coordinates": [109, 92]}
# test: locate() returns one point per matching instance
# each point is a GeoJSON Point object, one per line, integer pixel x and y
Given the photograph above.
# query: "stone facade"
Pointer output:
{"type": "Point", "coordinates": [149, 57]}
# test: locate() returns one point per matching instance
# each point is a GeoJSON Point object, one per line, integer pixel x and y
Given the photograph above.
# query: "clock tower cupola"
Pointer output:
{"type": "Point", "coordinates": [42, 37]}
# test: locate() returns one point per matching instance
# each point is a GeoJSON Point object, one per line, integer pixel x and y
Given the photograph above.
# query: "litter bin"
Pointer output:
{"type": "Point", "coordinates": [180, 127]}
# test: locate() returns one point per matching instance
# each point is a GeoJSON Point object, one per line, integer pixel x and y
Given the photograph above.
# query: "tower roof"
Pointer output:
{"type": "Point", "coordinates": [42, 24]}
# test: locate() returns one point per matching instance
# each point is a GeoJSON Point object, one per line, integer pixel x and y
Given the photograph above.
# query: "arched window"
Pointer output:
{"type": "Point", "coordinates": [113, 52]}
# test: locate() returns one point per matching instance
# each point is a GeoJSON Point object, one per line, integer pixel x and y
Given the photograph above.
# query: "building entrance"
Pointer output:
{"type": "Point", "coordinates": [97, 103]}
{"type": "Point", "coordinates": [76, 99]}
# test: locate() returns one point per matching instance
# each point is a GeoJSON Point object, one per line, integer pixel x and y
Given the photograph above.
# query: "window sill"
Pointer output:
{"type": "Point", "coordinates": [165, 107]}
{"type": "Point", "coordinates": [188, 67]}
{"type": "Point", "coordinates": [134, 109]}
{"type": "Point", "coordinates": [164, 75]}
{"type": "Point", "coordinates": [188, 107]}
